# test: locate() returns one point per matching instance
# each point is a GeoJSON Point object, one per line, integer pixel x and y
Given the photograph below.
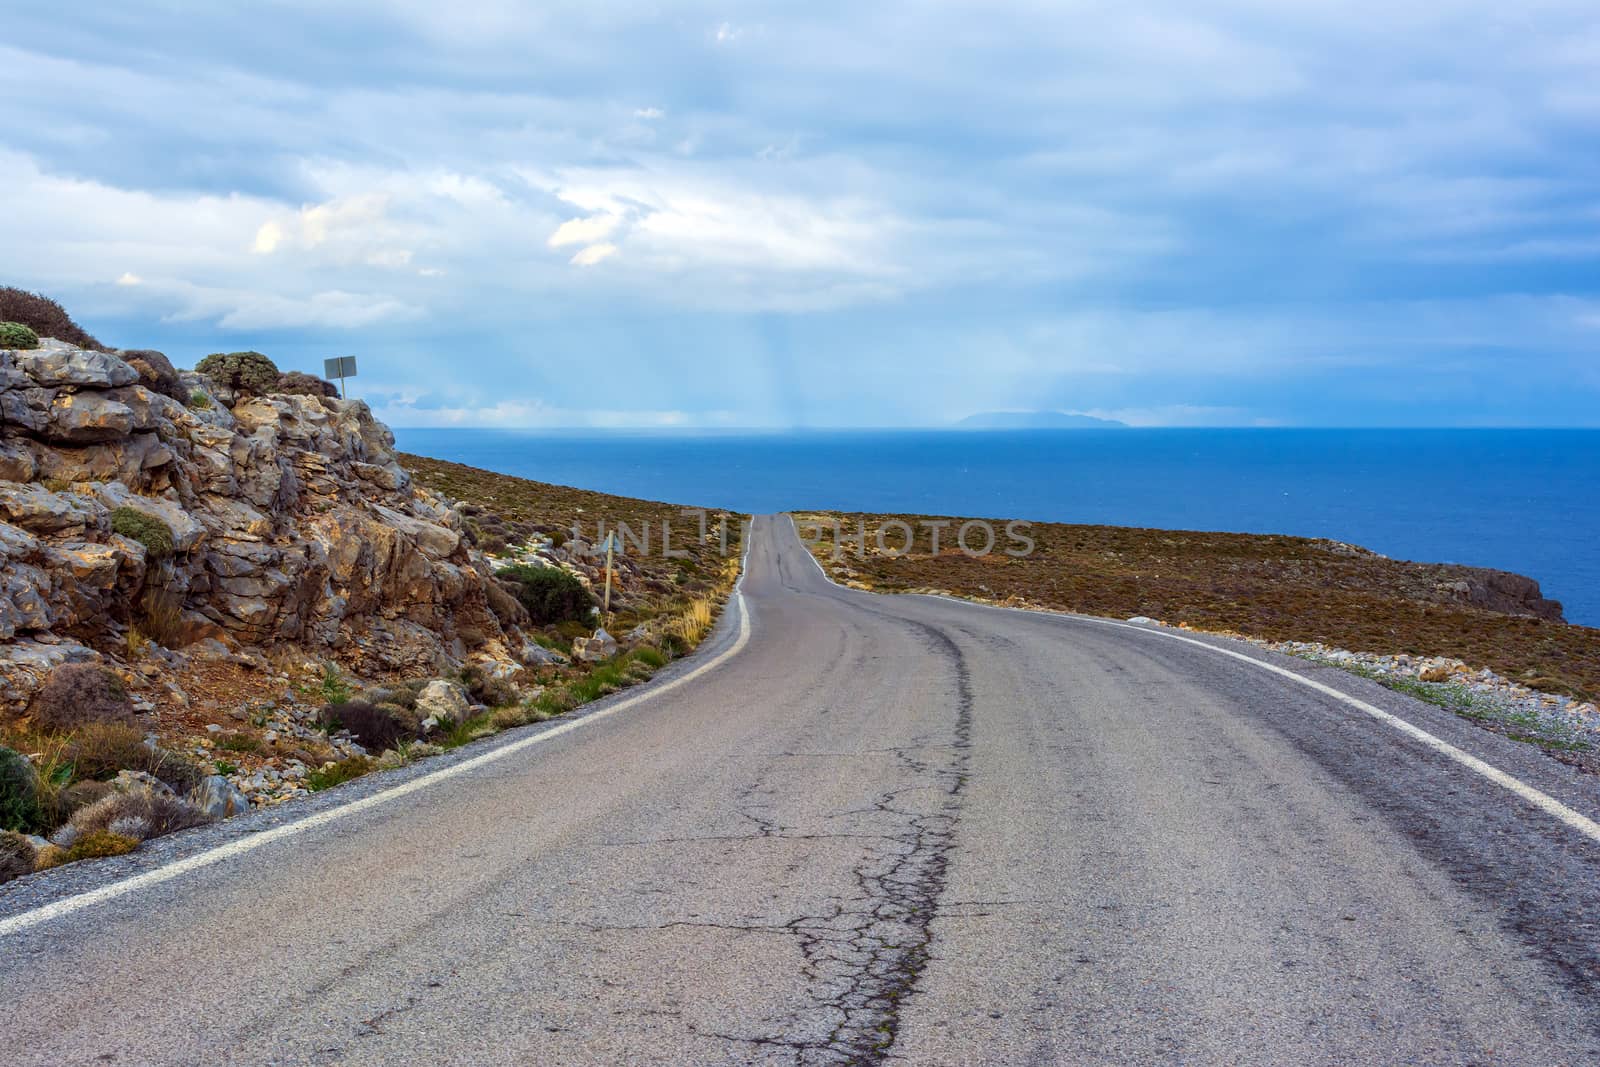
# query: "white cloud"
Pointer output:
{"type": "Point", "coordinates": [1138, 171]}
{"type": "Point", "coordinates": [268, 238]}
{"type": "Point", "coordinates": [128, 278]}
{"type": "Point", "coordinates": [588, 257]}
{"type": "Point", "coordinates": [584, 231]}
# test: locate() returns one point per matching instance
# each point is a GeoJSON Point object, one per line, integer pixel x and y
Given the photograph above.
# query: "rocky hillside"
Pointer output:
{"type": "Point", "coordinates": [265, 521]}
{"type": "Point", "coordinates": [223, 590]}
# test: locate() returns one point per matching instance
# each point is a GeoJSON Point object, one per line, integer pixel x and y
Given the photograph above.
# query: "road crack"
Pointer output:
{"type": "Point", "coordinates": [864, 957]}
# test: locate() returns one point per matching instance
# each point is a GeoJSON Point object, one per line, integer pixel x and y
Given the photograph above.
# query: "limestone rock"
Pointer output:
{"type": "Point", "coordinates": [536, 655]}
{"type": "Point", "coordinates": [38, 510]}
{"type": "Point", "coordinates": [293, 524]}
{"type": "Point", "coordinates": [56, 363]}
{"type": "Point", "coordinates": [596, 648]}
{"type": "Point", "coordinates": [443, 701]}
{"type": "Point", "coordinates": [219, 798]}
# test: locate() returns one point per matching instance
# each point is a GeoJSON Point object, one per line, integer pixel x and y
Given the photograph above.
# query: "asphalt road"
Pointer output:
{"type": "Point", "coordinates": [884, 829]}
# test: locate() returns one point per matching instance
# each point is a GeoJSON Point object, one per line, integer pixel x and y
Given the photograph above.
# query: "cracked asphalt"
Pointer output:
{"type": "Point", "coordinates": [889, 830]}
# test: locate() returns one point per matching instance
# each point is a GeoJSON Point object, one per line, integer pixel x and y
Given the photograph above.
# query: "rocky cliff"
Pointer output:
{"type": "Point", "coordinates": [282, 521]}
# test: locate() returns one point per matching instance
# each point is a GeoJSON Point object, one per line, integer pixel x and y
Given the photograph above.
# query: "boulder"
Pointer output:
{"type": "Point", "coordinates": [536, 655]}
{"type": "Point", "coordinates": [442, 701]}
{"type": "Point", "coordinates": [81, 418]}
{"type": "Point", "coordinates": [56, 363]}
{"type": "Point", "coordinates": [219, 798]}
{"type": "Point", "coordinates": [593, 649]}
{"type": "Point", "coordinates": [38, 510]}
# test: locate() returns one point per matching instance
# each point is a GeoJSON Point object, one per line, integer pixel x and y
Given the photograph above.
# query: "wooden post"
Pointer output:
{"type": "Point", "coordinates": [611, 544]}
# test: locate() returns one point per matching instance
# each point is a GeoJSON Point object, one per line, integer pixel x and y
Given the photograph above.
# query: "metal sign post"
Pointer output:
{"type": "Point", "coordinates": [340, 367]}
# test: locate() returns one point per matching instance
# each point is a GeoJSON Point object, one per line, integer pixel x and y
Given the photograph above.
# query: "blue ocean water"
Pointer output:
{"type": "Point", "coordinates": [1521, 500]}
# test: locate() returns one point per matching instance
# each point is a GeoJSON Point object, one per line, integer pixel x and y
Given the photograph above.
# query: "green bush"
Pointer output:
{"type": "Point", "coordinates": [149, 531]}
{"type": "Point", "coordinates": [549, 594]}
{"type": "Point", "coordinates": [199, 401]}
{"type": "Point", "coordinates": [248, 373]}
{"type": "Point", "coordinates": [338, 773]}
{"type": "Point", "coordinates": [19, 793]}
{"type": "Point", "coordinates": [98, 845]}
{"type": "Point", "coordinates": [653, 657]}
{"type": "Point", "coordinates": [15, 335]}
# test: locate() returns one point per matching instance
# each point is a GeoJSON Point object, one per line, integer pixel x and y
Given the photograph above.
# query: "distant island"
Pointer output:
{"type": "Point", "coordinates": [1036, 420]}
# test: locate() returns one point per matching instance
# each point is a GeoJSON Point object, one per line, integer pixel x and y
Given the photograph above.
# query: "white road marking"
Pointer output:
{"type": "Point", "coordinates": [1541, 800]}
{"type": "Point", "coordinates": [178, 868]}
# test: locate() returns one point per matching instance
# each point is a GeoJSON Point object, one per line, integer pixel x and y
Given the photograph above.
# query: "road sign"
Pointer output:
{"type": "Point", "coordinates": [340, 367]}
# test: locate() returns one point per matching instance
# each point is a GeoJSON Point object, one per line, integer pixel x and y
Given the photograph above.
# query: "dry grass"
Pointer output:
{"type": "Point", "coordinates": [161, 616]}
{"type": "Point", "coordinates": [1273, 587]}
{"type": "Point", "coordinates": [692, 624]}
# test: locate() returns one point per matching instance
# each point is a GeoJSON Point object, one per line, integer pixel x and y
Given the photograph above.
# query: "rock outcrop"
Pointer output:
{"type": "Point", "coordinates": [291, 523]}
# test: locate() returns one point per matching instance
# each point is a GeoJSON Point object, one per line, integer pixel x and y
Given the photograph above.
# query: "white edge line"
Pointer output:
{"type": "Point", "coordinates": [1541, 800]}
{"type": "Point", "coordinates": [58, 909]}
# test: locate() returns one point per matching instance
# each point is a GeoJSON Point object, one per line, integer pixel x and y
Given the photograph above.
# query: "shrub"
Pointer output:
{"type": "Point", "coordinates": [333, 774]}
{"type": "Point", "coordinates": [156, 372]}
{"type": "Point", "coordinates": [486, 689]}
{"type": "Point", "coordinates": [237, 742]}
{"type": "Point", "coordinates": [16, 856]}
{"type": "Point", "coordinates": [44, 316]}
{"type": "Point", "coordinates": [179, 772]}
{"type": "Point", "coordinates": [149, 531]}
{"type": "Point", "coordinates": [549, 594]}
{"type": "Point", "coordinates": [19, 793]}
{"type": "Point", "coordinates": [101, 749]}
{"type": "Point", "coordinates": [404, 695]}
{"type": "Point", "coordinates": [335, 690]}
{"type": "Point", "coordinates": [511, 717]}
{"type": "Point", "coordinates": [140, 814]}
{"type": "Point", "coordinates": [97, 845]}
{"type": "Point", "coordinates": [199, 400]}
{"type": "Point", "coordinates": [14, 335]}
{"type": "Point", "coordinates": [299, 383]}
{"type": "Point", "coordinates": [506, 607]}
{"type": "Point", "coordinates": [651, 656]}
{"type": "Point", "coordinates": [374, 727]}
{"type": "Point", "coordinates": [161, 616]}
{"type": "Point", "coordinates": [77, 694]}
{"type": "Point", "coordinates": [248, 373]}
{"type": "Point", "coordinates": [80, 795]}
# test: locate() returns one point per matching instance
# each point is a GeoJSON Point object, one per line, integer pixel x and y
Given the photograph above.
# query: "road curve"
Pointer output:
{"type": "Point", "coordinates": [883, 830]}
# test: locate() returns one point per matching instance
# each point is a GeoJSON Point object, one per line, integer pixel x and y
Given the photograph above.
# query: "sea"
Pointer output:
{"type": "Point", "coordinates": [1519, 500]}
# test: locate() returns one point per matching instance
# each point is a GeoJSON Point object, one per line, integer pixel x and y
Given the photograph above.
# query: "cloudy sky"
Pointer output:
{"type": "Point", "coordinates": [1243, 212]}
